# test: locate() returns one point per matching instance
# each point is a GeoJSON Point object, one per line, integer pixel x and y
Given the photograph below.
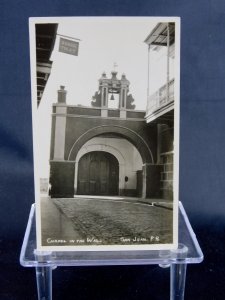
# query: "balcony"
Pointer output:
{"type": "Point", "coordinates": [159, 103]}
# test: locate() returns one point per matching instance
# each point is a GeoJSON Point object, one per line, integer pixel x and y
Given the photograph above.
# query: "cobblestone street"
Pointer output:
{"type": "Point", "coordinates": [106, 221]}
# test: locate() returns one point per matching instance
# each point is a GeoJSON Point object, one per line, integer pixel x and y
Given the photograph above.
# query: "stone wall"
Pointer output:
{"type": "Point", "coordinates": [61, 179]}
{"type": "Point", "coordinates": [166, 182]}
{"type": "Point", "coordinates": [166, 159]}
{"type": "Point", "coordinates": [152, 180]}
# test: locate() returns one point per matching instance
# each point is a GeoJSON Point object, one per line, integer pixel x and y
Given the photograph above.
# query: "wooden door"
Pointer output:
{"type": "Point", "coordinates": [98, 174]}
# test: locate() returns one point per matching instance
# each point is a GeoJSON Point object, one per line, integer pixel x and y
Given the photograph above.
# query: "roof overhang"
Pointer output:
{"type": "Point", "coordinates": [158, 36]}
{"type": "Point", "coordinates": [45, 40]}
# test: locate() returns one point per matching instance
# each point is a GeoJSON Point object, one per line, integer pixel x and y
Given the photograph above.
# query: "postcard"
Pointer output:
{"type": "Point", "coordinates": [105, 111]}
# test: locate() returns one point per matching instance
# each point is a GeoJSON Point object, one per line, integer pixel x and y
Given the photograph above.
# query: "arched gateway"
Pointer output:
{"type": "Point", "coordinates": [103, 151]}
{"type": "Point", "coordinates": [98, 174]}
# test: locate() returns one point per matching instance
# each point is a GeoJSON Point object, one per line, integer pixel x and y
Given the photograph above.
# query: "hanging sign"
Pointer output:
{"type": "Point", "coordinates": [68, 46]}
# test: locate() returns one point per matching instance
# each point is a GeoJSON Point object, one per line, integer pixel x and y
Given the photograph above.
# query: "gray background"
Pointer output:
{"type": "Point", "coordinates": [202, 158]}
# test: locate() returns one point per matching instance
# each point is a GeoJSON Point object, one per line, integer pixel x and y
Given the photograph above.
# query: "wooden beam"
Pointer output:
{"type": "Point", "coordinates": [159, 44]}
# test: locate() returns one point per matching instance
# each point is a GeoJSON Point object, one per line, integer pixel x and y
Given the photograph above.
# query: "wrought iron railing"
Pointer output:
{"type": "Point", "coordinates": [160, 99]}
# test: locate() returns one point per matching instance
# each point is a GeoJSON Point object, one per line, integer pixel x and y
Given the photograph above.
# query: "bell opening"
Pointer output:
{"type": "Point", "coordinates": [113, 100]}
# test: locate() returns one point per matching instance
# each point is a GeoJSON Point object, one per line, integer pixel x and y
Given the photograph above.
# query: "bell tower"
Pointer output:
{"type": "Point", "coordinates": [124, 89]}
{"type": "Point", "coordinates": [108, 89]}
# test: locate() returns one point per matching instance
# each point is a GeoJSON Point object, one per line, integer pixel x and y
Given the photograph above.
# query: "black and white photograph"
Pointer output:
{"type": "Point", "coordinates": [112, 150]}
{"type": "Point", "coordinates": [105, 109]}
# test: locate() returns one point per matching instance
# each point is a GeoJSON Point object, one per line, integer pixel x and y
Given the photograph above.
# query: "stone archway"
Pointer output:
{"type": "Point", "coordinates": [105, 148]}
{"type": "Point", "coordinates": [132, 136]}
{"type": "Point", "coordinates": [127, 134]}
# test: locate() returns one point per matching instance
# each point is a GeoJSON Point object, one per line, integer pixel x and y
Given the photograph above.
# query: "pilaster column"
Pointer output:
{"type": "Point", "coordinates": [123, 102]}
{"type": "Point", "coordinates": [104, 100]}
{"type": "Point", "coordinates": [60, 125]}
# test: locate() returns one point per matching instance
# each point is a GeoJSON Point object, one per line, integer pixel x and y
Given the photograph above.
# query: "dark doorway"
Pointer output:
{"type": "Point", "coordinates": [98, 174]}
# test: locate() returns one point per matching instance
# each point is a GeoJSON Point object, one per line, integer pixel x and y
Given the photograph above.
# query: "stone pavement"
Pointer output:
{"type": "Point", "coordinates": [105, 221]}
{"type": "Point", "coordinates": [54, 224]}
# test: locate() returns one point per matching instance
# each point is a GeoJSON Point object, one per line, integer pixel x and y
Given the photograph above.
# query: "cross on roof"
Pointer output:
{"type": "Point", "coordinates": [115, 66]}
